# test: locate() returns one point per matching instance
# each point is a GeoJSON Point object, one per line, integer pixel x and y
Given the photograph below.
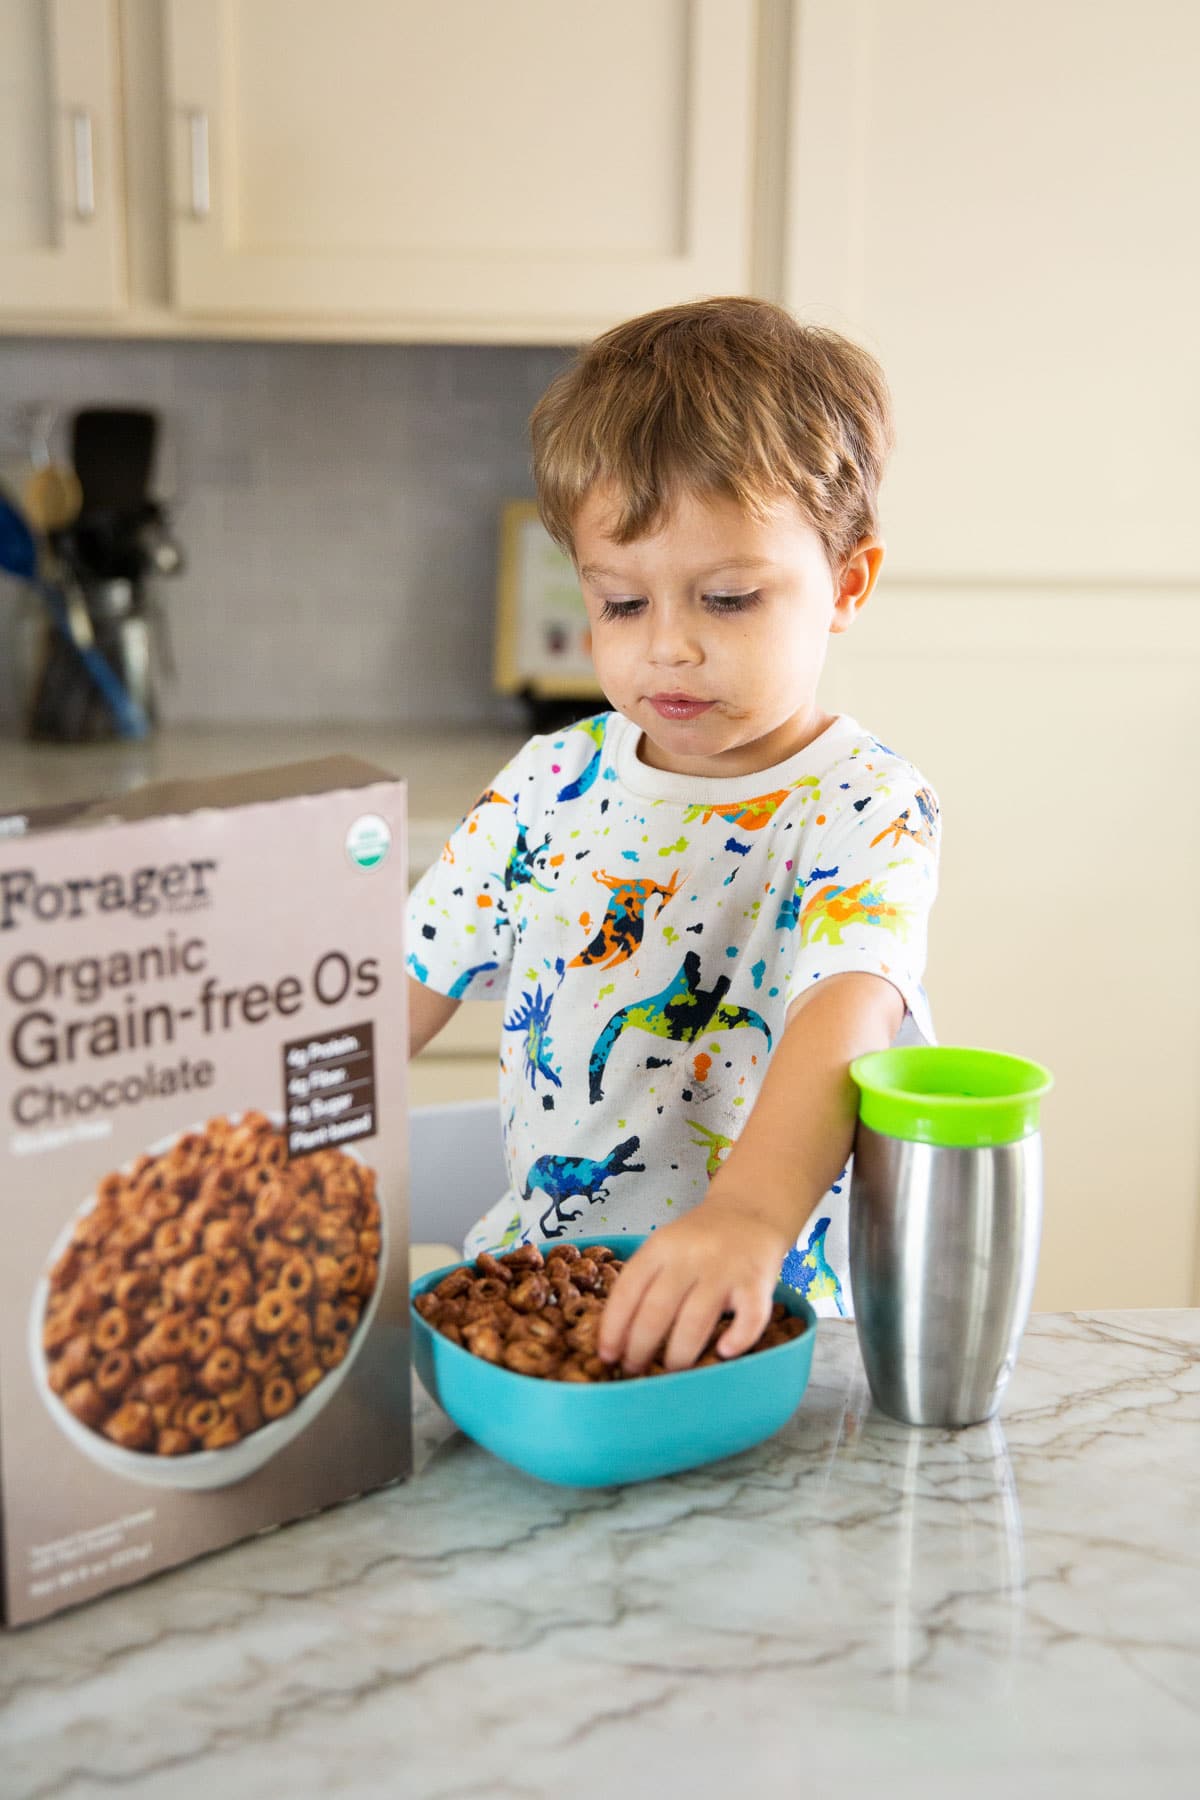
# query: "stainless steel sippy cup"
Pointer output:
{"type": "Point", "coordinates": [945, 1225]}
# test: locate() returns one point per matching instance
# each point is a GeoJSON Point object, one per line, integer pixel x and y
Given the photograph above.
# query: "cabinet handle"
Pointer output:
{"type": "Point", "coordinates": [85, 168]}
{"type": "Point", "coordinates": [201, 195]}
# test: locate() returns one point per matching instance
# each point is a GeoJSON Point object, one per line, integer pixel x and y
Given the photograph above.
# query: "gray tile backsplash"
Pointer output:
{"type": "Point", "coordinates": [338, 506]}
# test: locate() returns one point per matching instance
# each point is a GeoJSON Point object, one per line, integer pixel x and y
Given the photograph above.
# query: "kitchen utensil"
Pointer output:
{"type": "Point", "coordinates": [605, 1433]}
{"type": "Point", "coordinates": [945, 1224]}
{"type": "Point", "coordinates": [112, 448]}
{"type": "Point", "coordinates": [69, 614]}
{"type": "Point", "coordinates": [53, 496]}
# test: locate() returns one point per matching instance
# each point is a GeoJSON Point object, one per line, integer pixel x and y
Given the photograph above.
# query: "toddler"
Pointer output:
{"type": "Point", "coordinates": [700, 906]}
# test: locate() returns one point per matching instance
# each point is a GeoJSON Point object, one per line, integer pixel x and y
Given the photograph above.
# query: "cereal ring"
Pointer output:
{"type": "Point", "coordinates": [194, 1280]}
{"type": "Point", "coordinates": [530, 1294]}
{"type": "Point", "coordinates": [295, 1340]}
{"type": "Point", "coordinates": [330, 1355]}
{"type": "Point", "coordinates": [222, 1240]}
{"type": "Point", "coordinates": [296, 1277]}
{"type": "Point", "coordinates": [273, 1200]}
{"type": "Point", "coordinates": [242, 1402]}
{"type": "Point", "coordinates": [578, 1309]}
{"type": "Point", "coordinates": [426, 1304]}
{"type": "Point", "coordinates": [222, 1435]}
{"type": "Point", "coordinates": [173, 1442]}
{"type": "Point", "coordinates": [278, 1397]}
{"type": "Point", "coordinates": [263, 1360]}
{"type": "Point", "coordinates": [543, 1326]}
{"type": "Point", "coordinates": [174, 1241]}
{"type": "Point", "coordinates": [115, 1373]}
{"type": "Point", "coordinates": [489, 1289]}
{"type": "Point", "coordinates": [328, 1273]}
{"type": "Point", "coordinates": [487, 1265]}
{"type": "Point", "coordinates": [239, 1328]}
{"type": "Point", "coordinates": [600, 1253]}
{"type": "Point", "coordinates": [206, 1335]}
{"type": "Point", "coordinates": [450, 1330]}
{"type": "Point", "coordinates": [134, 1288]}
{"type": "Point", "coordinates": [586, 1275]}
{"type": "Point", "coordinates": [202, 1416]}
{"type": "Point", "coordinates": [307, 1378]}
{"type": "Point", "coordinates": [564, 1253]}
{"type": "Point", "coordinates": [161, 1384]}
{"type": "Point", "coordinates": [131, 1426]}
{"type": "Point", "coordinates": [104, 1274]}
{"type": "Point", "coordinates": [222, 1371]}
{"type": "Point", "coordinates": [352, 1274]}
{"type": "Point", "coordinates": [525, 1256]}
{"type": "Point", "coordinates": [87, 1403]}
{"type": "Point", "coordinates": [274, 1311]}
{"type": "Point", "coordinates": [229, 1292]}
{"type": "Point", "coordinates": [525, 1356]}
{"type": "Point", "coordinates": [78, 1356]}
{"type": "Point", "coordinates": [166, 1341]}
{"type": "Point", "coordinates": [483, 1339]}
{"type": "Point", "coordinates": [370, 1243]}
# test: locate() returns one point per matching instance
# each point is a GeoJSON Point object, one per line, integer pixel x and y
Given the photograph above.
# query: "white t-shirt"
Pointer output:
{"type": "Point", "coordinates": [647, 932]}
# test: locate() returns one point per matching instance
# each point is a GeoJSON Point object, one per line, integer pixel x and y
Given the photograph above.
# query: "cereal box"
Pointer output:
{"type": "Point", "coordinates": [203, 1146]}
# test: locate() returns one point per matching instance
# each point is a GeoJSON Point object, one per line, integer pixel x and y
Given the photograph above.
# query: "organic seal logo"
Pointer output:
{"type": "Point", "coordinates": [368, 841]}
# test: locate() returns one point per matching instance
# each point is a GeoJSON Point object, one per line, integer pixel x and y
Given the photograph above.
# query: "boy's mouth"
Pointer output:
{"type": "Point", "coordinates": [679, 706]}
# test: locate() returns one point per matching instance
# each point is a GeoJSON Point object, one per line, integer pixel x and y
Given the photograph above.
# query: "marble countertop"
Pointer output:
{"type": "Point", "coordinates": [1010, 1609]}
{"type": "Point", "coordinates": [445, 767]}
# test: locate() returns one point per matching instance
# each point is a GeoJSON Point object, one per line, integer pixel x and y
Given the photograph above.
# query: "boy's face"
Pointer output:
{"type": "Point", "coordinates": [710, 633]}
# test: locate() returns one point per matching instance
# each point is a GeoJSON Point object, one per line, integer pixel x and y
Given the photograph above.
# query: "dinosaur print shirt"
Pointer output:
{"type": "Point", "coordinates": [647, 932]}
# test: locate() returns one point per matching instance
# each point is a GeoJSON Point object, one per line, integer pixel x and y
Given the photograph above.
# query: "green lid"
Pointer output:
{"type": "Point", "coordinates": [943, 1094]}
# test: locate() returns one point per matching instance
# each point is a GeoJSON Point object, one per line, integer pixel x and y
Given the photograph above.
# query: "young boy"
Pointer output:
{"type": "Point", "coordinates": [700, 906]}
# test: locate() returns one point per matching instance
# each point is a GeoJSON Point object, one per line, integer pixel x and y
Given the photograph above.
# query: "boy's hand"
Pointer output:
{"type": "Point", "coordinates": [720, 1258]}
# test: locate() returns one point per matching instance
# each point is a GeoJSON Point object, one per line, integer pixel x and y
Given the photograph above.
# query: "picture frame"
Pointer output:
{"type": "Point", "coordinates": [541, 622]}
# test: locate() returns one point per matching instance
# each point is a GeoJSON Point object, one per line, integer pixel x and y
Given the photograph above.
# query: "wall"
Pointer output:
{"type": "Point", "coordinates": [338, 506]}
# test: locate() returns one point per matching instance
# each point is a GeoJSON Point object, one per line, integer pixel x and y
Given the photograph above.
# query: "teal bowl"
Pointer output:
{"type": "Point", "coordinates": [615, 1432]}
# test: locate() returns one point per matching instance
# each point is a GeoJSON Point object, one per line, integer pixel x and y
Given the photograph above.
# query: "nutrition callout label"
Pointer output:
{"type": "Point", "coordinates": [329, 1089]}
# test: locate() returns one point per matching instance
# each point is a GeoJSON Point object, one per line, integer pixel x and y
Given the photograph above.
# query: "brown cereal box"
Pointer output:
{"type": "Point", "coordinates": [203, 1148]}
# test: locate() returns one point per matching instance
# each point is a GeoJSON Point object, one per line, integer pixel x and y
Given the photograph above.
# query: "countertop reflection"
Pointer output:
{"type": "Point", "coordinates": [916, 1613]}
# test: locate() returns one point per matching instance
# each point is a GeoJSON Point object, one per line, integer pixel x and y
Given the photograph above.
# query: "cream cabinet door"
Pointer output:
{"type": "Point", "coordinates": [530, 168]}
{"type": "Point", "coordinates": [1001, 201]}
{"type": "Point", "coordinates": [61, 225]}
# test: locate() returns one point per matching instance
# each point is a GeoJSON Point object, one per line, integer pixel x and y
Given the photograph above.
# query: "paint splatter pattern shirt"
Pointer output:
{"type": "Point", "coordinates": [647, 932]}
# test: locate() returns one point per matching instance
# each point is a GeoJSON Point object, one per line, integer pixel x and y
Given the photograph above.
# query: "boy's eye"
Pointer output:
{"type": "Point", "coordinates": [621, 609]}
{"type": "Point", "coordinates": [731, 603]}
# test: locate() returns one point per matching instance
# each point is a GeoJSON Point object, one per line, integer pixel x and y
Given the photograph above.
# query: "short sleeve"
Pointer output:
{"type": "Point", "coordinates": [460, 918]}
{"type": "Point", "coordinates": [868, 893]}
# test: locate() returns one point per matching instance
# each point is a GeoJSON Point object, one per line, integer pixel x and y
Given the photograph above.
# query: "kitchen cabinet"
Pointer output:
{"type": "Point", "coordinates": [528, 173]}
{"type": "Point", "coordinates": [462, 165]}
{"type": "Point", "coordinates": [999, 200]}
{"type": "Point", "coordinates": [61, 195]}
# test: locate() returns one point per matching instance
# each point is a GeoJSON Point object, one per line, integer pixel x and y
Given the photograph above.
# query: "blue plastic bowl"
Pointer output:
{"type": "Point", "coordinates": [614, 1432]}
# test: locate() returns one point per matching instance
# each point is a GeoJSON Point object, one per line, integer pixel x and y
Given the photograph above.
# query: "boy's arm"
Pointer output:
{"type": "Point", "coordinates": [428, 1011]}
{"type": "Point", "coordinates": [726, 1254]}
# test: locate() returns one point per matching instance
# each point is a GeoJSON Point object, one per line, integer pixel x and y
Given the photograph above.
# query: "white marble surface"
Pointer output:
{"type": "Point", "coordinates": [1014, 1609]}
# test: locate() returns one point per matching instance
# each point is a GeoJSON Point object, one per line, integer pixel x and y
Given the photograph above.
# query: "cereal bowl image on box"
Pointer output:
{"type": "Point", "coordinates": [205, 1303]}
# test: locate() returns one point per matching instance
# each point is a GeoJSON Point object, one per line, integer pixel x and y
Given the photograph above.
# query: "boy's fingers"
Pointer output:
{"type": "Point", "coordinates": [619, 1308]}
{"type": "Point", "coordinates": [751, 1314]}
{"type": "Point", "coordinates": [693, 1326]}
{"type": "Point", "coordinates": [652, 1322]}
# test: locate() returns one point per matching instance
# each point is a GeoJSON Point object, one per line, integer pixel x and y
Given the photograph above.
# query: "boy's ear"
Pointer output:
{"type": "Point", "coordinates": [858, 576]}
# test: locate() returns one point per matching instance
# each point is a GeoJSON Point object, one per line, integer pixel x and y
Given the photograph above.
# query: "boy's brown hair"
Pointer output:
{"type": "Point", "coordinates": [730, 396]}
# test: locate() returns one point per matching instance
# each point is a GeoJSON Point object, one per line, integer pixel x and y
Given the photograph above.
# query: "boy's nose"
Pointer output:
{"type": "Point", "coordinates": [672, 643]}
